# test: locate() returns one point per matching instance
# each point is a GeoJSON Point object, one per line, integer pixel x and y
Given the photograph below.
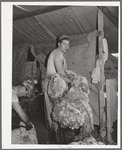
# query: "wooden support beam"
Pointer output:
{"type": "Point", "coordinates": [102, 78]}
{"type": "Point", "coordinates": [109, 15]}
{"type": "Point", "coordinates": [38, 12]}
{"type": "Point", "coordinates": [32, 78]}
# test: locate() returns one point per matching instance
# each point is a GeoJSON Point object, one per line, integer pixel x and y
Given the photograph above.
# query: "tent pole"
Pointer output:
{"type": "Point", "coordinates": [32, 76]}
{"type": "Point", "coordinates": [109, 15]}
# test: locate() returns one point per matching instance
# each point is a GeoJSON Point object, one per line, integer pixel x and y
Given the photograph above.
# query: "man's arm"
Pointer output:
{"type": "Point", "coordinates": [16, 106]}
{"type": "Point", "coordinates": [60, 70]}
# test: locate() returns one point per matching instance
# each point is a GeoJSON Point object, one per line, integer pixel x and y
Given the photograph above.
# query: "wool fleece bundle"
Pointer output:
{"type": "Point", "coordinates": [71, 108]}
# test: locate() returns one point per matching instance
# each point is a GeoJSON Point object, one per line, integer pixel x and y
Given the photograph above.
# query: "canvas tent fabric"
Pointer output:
{"type": "Point", "coordinates": [80, 59]}
{"type": "Point", "coordinates": [19, 63]}
{"type": "Point", "coordinates": [71, 20]}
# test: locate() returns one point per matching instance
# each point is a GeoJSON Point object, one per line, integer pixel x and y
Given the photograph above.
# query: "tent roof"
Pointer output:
{"type": "Point", "coordinates": [43, 23]}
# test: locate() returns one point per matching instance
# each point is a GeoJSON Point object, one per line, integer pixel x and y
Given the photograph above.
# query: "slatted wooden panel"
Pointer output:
{"type": "Point", "coordinates": [111, 95]}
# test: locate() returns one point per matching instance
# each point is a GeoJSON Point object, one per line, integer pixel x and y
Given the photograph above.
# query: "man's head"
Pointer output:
{"type": "Point", "coordinates": [24, 89]}
{"type": "Point", "coordinates": [63, 43]}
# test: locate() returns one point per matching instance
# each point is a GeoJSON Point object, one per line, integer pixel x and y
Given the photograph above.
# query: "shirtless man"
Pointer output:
{"type": "Point", "coordinates": [56, 61]}
{"type": "Point", "coordinates": [23, 131]}
{"type": "Point", "coordinates": [20, 90]}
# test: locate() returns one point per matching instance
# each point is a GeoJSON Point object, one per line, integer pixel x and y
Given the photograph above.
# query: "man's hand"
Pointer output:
{"type": "Point", "coordinates": [70, 84]}
{"type": "Point", "coordinates": [23, 116]}
{"type": "Point", "coordinates": [29, 126]}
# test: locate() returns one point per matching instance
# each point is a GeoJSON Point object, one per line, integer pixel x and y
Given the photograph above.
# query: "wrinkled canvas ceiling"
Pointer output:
{"type": "Point", "coordinates": [43, 23]}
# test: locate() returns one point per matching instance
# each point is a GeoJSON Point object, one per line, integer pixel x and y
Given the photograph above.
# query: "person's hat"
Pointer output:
{"type": "Point", "coordinates": [63, 37]}
{"type": "Point", "coordinates": [28, 84]}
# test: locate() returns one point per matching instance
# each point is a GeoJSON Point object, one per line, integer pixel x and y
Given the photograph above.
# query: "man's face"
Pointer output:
{"type": "Point", "coordinates": [64, 45]}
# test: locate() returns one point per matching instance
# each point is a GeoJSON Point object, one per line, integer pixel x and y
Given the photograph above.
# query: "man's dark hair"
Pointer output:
{"type": "Point", "coordinates": [60, 41]}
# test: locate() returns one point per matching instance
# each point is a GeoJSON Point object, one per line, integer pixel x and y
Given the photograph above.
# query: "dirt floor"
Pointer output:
{"type": "Point", "coordinates": [40, 127]}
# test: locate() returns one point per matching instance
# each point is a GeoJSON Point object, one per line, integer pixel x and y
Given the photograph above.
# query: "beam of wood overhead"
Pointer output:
{"type": "Point", "coordinates": [109, 15]}
{"type": "Point", "coordinates": [37, 12]}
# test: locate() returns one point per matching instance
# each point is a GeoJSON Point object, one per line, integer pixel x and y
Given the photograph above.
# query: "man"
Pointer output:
{"type": "Point", "coordinates": [21, 90]}
{"type": "Point", "coordinates": [24, 89]}
{"type": "Point", "coordinates": [56, 61]}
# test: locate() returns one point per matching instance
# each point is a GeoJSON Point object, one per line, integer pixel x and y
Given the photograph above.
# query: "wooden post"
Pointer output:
{"type": "Point", "coordinates": [111, 106]}
{"type": "Point", "coordinates": [109, 15]}
{"type": "Point", "coordinates": [102, 77]}
{"type": "Point", "coordinates": [32, 76]}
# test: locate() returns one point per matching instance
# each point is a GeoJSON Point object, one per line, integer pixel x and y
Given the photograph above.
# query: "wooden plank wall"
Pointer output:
{"type": "Point", "coordinates": [111, 95]}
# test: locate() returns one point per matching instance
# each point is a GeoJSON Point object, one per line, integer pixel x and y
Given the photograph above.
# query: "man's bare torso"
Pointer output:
{"type": "Point", "coordinates": [51, 69]}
